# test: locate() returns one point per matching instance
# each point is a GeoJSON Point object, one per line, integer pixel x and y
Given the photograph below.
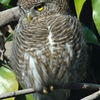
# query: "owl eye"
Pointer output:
{"type": "Point", "coordinates": [39, 7]}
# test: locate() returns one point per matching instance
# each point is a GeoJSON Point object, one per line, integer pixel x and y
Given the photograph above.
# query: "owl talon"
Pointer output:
{"type": "Point", "coordinates": [45, 91]}
{"type": "Point", "coordinates": [51, 88]}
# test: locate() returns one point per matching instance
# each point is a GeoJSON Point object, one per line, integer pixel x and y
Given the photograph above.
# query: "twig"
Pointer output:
{"type": "Point", "coordinates": [86, 86]}
{"type": "Point", "coordinates": [92, 96]}
{"type": "Point", "coordinates": [9, 15]}
{"type": "Point", "coordinates": [16, 93]}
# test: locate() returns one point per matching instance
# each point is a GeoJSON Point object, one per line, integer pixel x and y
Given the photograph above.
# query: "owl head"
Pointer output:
{"type": "Point", "coordinates": [39, 8]}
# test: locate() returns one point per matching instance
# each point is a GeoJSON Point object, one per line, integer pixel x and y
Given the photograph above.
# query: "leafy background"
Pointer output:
{"type": "Point", "coordinates": [88, 13]}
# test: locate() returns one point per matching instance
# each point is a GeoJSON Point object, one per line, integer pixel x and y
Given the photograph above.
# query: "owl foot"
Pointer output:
{"type": "Point", "coordinates": [51, 88]}
{"type": "Point", "coordinates": [45, 91]}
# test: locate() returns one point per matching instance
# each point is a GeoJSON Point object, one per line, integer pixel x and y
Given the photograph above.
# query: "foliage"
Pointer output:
{"type": "Point", "coordinates": [78, 6]}
{"type": "Point", "coordinates": [5, 2]}
{"type": "Point", "coordinates": [96, 13]}
{"type": "Point", "coordinates": [8, 82]}
{"type": "Point", "coordinates": [89, 35]}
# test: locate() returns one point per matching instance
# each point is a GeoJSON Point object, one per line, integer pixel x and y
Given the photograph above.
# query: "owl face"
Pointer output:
{"type": "Point", "coordinates": [40, 9]}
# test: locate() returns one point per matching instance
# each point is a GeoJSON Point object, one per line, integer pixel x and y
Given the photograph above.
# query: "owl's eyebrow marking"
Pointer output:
{"type": "Point", "coordinates": [22, 9]}
{"type": "Point", "coordinates": [39, 4]}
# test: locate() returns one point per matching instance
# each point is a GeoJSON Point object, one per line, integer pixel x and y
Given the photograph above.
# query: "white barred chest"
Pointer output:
{"type": "Point", "coordinates": [45, 67]}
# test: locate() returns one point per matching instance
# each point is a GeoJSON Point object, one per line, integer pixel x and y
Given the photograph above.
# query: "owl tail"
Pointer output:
{"type": "Point", "coordinates": [54, 95]}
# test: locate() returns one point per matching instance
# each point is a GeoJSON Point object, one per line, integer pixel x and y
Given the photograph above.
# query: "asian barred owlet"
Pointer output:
{"type": "Point", "coordinates": [48, 48]}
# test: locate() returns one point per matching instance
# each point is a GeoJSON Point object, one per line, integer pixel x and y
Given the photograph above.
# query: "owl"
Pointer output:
{"type": "Point", "coordinates": [48, 51]}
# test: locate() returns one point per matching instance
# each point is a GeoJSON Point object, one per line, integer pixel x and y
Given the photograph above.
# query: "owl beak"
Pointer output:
{"type": "Point", "coordinates": [29, 18]}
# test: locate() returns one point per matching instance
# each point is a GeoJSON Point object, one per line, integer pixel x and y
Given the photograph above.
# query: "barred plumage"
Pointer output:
{"type": "Point", "coordinates": [49, 50]}
{"type": "Point", "coordinates": [60, 6]}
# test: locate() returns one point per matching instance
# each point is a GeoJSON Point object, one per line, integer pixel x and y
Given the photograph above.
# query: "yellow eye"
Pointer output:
{"type": "Point", "coordinates": [40, 8]}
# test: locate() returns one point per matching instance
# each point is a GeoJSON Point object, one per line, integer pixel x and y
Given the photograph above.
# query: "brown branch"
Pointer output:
{"type": "Point", "coordinates": [9, 15]}
{"type": "Point", "coordinates": [92, 96]}
{"type": "Point", "coordinates": [86, 86]}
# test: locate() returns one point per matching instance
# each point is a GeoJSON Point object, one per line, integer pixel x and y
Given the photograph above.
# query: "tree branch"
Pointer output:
{"type": "Point", "coordinates": [9, 15]}
{"type": "Point", "coordinates": [92, 96]}
{"type": "Point", "coordinates": [16, 93]}
{"type": "Point", "coordinates": [86, 86]}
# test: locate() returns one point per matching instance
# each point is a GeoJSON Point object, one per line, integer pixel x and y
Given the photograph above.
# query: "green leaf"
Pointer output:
{"type": "Point", "coordinates": [8, 82]}
{"type": "Point", "coordinates": [5, 2]}
{"type": "Point", "coordinates": [89, 36]}
{"type": "Point", "coordinates": [29, 97]}
{"type": "Point", "coordinates": [10, 37]}
{"type": "Point", "coordinates": [78, 6]}
{"type": "Point", "coordinates": [96, 13]}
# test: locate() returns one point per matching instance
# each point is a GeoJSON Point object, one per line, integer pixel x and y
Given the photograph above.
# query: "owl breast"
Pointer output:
{"type": "Point", "coordinates": [48, 52]}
